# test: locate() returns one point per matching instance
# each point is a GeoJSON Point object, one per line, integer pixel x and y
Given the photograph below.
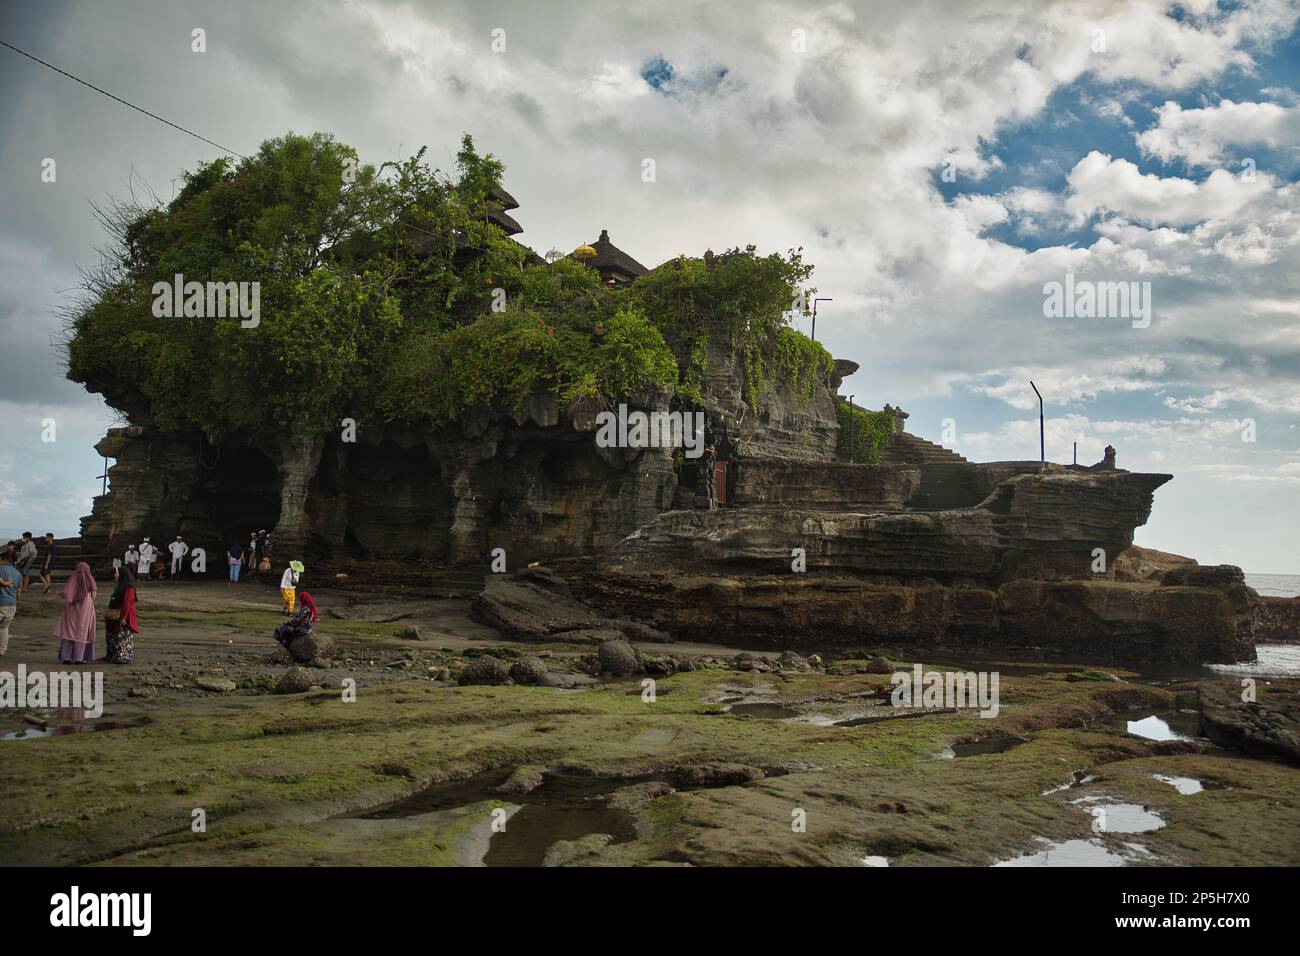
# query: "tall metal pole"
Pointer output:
{"type": "Point", "coordinates": [852, 447]}
{"type": "Point", "coordinates": [814, 324]}
{"type": "Point", "coordinates": [1042, 444]}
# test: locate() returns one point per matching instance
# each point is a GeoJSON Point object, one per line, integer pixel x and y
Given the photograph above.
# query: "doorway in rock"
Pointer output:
{"type": "Point", "coordinates": [244, 492]}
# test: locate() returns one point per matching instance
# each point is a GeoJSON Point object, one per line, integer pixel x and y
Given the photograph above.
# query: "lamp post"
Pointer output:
{"type": "Point", "coordinates": [1042, 444]}
{"type": "Point", "coordinates": [814, 322]}
{"type": "Point", "coordinates": [852, 446]}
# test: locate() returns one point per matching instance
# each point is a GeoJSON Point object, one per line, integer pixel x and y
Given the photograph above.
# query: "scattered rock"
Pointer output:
{"type": "Point", "coordinates": [484, 670]}
{"type": "Point", "coordinates": [659, 666]}
{"type": "Point", "coordinates": [1268, 726]}
{"type": "Point", "coordinates": [790, 661]}
{"type": "Point", "coordinates": [142, 690]}
{"type": "Point", "coordinates": [218, 684]}
{"type": "Point", "coordinates": [296, 680]}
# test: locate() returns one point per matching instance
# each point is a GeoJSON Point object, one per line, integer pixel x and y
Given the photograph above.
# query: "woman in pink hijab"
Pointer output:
{"type": "Point", "coordinates": [77, 624]}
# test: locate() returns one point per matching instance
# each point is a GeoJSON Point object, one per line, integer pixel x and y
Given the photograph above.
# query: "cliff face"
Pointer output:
{"type": "Point", "coordinates": [1014, 573]}
{"type": "Point", "coordinates": [1046, 525]}
{"type": "Point", "coordinates": [924, 548]}
{"type": "Point", "coordinates": [532, 481]}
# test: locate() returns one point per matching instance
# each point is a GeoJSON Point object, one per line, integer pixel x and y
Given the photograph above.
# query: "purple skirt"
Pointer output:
{"type": "Point", "coordinates": [70, 652]}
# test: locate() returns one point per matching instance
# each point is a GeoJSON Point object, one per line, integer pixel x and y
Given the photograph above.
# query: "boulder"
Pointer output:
{"type": "Point", "coordinates": [617, 657]}
{"type": "Point", "coordinates": [311, 647]}
{"type": "Point", "coordinates": [411, 632]}
{"type": "Point", "coordinates": [484, 670]}
{"type": "Point", "coordinates": [296, 680]}
{"type": "Point", "coordinates": [880, 665]}
{"type": "Point", "coordinates": [528, 670]}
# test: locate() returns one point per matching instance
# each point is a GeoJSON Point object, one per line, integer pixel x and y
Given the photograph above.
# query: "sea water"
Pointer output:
{"type": "Point", "coordinates": [1275, 585]}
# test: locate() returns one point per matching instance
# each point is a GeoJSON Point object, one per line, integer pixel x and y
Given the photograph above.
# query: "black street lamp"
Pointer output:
{"type": "Point", "coordinates": [852, 447]}
{"type": "Point", "coordinates": [814, 322]}
{"type": "Point", "coordinates": [1042, 445]}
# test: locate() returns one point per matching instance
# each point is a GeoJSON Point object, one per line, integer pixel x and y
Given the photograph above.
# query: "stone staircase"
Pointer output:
{"type": "Point", "coordinates": [948, 480]}
{"type": "Point", "coordinates": [71, 551]}
{"type": "Point", "coordinates": [907, 449]}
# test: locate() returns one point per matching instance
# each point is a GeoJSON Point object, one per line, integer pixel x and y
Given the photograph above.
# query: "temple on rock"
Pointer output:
{"type": "Point", "coordinates": [615, 266]}
{"type": "Point", "coordinates": [920, 544]}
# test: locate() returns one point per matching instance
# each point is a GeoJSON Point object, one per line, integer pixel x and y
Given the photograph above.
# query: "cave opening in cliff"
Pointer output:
{"type": "Point", "coordinates": [244, 489]}
{"type": "Point", "coordinates": [397, 503]}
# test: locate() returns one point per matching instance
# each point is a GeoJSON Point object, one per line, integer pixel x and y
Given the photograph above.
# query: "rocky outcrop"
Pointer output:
{"type": "Point", "coordinates": [1147, 564]}
{"type": "Point", "coordinates": [1046, 525]}
{"type": "Point", "coordinates": [1099, 620]}
{"type": "Point", "coordinates": [1268, 725]}
{"type": "Point", "coordinates": [1277, 620]}
{"type": "Point", "coordinates": [1020, 571]}
{"type": "Point", "coordinates": [536, 605]}
{"type": "Point", "coordinates": [828, 485]}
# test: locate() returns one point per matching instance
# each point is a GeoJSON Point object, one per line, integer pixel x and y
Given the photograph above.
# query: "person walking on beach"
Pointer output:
{"type": "Point", "coordinates": [76, 627]}
{"type": "Point", "coordinates": [10, 581]}
{"type": "Point", "coordinates": [121, 625]}
{"type": "Point", "coordinates": [289, 584]}
{"type": "Point", "coordinates": [27, 561]}
{"type": "Point", "coordinates": [178, 549]}
{"type": "Point", "coordinates": [51, 552]}
{"type": "Point", "coordinates": [235, 558]}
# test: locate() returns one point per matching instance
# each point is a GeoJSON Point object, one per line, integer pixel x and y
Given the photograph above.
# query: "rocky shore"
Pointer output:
{"type": "Point", "coordinates": [602, 744]}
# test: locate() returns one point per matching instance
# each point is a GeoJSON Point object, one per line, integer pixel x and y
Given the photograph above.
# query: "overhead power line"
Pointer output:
{"type": "Point", "coordinates": [176, 126]}
{"type": "Point", "coordinates": [138, 109]}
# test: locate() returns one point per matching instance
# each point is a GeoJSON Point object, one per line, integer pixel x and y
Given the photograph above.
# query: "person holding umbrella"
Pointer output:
{"type": "Point", "coordinates": [289, 585]}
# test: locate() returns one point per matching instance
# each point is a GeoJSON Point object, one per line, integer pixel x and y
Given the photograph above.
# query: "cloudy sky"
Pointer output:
{"type": "Point", "coordinates": [940, 161]}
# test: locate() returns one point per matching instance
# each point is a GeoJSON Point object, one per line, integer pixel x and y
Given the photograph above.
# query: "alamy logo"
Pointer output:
{"type": "Point", "coordinates": [948, 689]}
{"type": "Point", "coordinates": [1085, 299]}
{"type": "Point", "coordinates": [57, 689]}
{"type": "Point", "coordinates": [103, 909]}
{"type": "Point", "coordinates": [209, 300]}
{"type": "Point", "coordinates": [651, 430]}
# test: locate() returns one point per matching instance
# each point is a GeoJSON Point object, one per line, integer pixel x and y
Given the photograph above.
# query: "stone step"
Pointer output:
{"type": "Point", "coordinates": [907, 449]}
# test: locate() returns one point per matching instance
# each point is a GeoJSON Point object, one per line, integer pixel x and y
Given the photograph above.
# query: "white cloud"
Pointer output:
{"type": "Point", "coordinates": [1200, 136]}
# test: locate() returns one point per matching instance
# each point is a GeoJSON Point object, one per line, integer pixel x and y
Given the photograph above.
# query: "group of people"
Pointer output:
{"type": "Point", "coordinates": [78, 627]}
{"type": "Point", "coordinates": [250, 558]}
{"type": "Point", "coordinates": [146, 560]}
{"type": "Point", "coordinates": [31, 560]}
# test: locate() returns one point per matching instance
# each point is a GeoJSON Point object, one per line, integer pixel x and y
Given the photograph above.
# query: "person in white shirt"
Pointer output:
{"type": "Point", "coordinates": [289, 584]}
{"type": "Point", "coordinates": [147, 551]}
{"type": "Point", "coordinates": [178, 549]}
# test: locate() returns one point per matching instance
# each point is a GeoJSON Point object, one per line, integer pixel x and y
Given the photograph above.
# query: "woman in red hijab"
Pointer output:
{"type": "Point", "coordinates": [77, 626]}
{"type": "Point", "coordinates": [305, 600]}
